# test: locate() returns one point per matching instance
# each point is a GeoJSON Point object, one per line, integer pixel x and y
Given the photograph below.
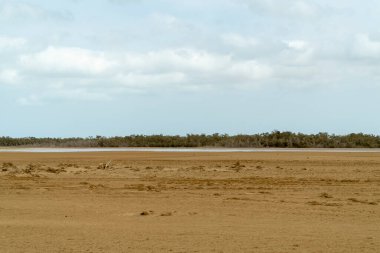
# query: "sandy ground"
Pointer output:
{"type": "Point", "coordinates": [189, 202]}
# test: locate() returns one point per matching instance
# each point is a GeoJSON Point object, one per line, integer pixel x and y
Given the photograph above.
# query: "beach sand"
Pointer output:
{"type": "Point", "coordinates": [189, 202]}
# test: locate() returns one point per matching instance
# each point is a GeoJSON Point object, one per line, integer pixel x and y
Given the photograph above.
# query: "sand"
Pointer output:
{"type": "Point", "coordinates": [189, 202]}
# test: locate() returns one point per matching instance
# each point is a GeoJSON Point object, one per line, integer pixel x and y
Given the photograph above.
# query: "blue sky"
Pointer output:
{"type": "Point", "coordinates": [120, 67]}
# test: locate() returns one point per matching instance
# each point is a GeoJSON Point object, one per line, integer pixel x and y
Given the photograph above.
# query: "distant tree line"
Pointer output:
{"type": "Point", "coordinates": [275, 139]}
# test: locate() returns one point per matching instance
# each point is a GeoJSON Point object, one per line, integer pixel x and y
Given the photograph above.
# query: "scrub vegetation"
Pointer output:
{"type": "Point", "coordinates": [275, 139]}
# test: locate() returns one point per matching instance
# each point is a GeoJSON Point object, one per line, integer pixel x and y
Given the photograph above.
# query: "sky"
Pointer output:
{"type": "Point", "coordinates": [121, 67]}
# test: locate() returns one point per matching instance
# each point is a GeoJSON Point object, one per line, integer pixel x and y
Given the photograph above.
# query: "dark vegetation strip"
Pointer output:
{"type": "Point", "coordinates": [274, 139]}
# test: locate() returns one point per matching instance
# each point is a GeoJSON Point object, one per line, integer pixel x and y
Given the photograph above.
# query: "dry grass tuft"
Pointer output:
{"type": "Point", "coordinates": [146, 213]}
{"type": "Point", "coordinates": [325, 195]}
{"type": "Point", "coordinates": [8, 166]}
{"type": "Point", "coordinates": [30, 168]}
{"type": "Point", "coordinates": [363, 201]}
{"type": "Point", "coordinates": [55, 171]}
{"type": "Point", "coordinates": [103, 166]}
{"type": "Point", "coordinates": [167, 214]}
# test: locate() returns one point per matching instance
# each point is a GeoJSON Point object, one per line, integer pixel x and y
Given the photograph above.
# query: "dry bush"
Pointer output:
{"type": "Point", "coordinates": [30, 168]}
{"type": "Point", "coordinates": [68, 165]}
{"type": "Point", "coordinates": [167, 214]}
{"type": "Point", "coordinates": [8, 166]}
{"type": "Point", "coordinates": [103, 166]}
{"type": "Point", "coordinates": [200, 168]}
{"type": "Point", "coordinates": [362, 201]}
{"type": "Point", "coordinates": [316, 203]}
{"type": "Point", "coordinates": [98, 186]}
{"type": "Point", "coordinates": [237, 166]}
{"type": "Point", "coordinates": [146, 213]}
{"type": "Point", "coordinates": [55, 171]}
{"type": "Point", "coordinates": [325, 195]}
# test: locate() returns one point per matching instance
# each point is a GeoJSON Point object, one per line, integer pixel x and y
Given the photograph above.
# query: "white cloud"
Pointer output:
{"type": "Point", "coordinates": [365, 47]}
{"type": "Point", "coordinates": [239, 41]}
{"type": "Point", "coordinates": [8, 43]}
{"type": "Point", "coordinates": [77, 94]}
{"type": "Point", "coordinates": [297, 8]}
{"type": "Point", "coordinates": [9, 76]}
{"type": "Point", "coordinates": [12, 10]}
{"type": "Point", "coordinates": [189, 67]}
{"type": "Point", "coordinates": [298, 52]}
{"type": "Point", "coordinates": [30, 100]}
{"type": "Point", "coordinates": [262, 52]}
{"type": "Point", "coordinates": [143, 81]}
{"type": "Point", "coordinates": [68, 61]}
{"type": "Point", "coordinates": [177, 59]}
{"type": "Point", "coordinates": [64, 93]}
{"type": "Point", "coordinates": [167, 20]}
{"type": "Point", "coordinates": [124, 1]}
{"type": "Point", "coordinates": [79, 73]}
{"type": "Point", "coordinates": [250, 70]}
{"type": "Point", "coordinates": [299, 45]}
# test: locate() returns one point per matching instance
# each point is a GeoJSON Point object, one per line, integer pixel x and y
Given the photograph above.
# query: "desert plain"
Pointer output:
{"type": "Point", "coordinates": [190, 202]}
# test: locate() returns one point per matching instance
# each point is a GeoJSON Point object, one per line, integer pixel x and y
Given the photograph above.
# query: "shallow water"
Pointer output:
{"type": "Point", "coordinates": [220, 150]}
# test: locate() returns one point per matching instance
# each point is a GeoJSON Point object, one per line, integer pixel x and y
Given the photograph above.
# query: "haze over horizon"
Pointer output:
{"type": "Point", "coordinates": [120, 67]}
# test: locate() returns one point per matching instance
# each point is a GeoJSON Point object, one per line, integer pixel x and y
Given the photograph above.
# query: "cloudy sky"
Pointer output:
{"type": "Point", "coordinates": [120, 67]}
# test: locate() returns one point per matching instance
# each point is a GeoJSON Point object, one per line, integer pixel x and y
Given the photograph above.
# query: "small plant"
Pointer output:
{"type": "Point", "coordinates": [314, 203]}
{"type": "Point", "coordinates": [146, 213]}
{"type": "Point", "coordinates": [167, 214]}
{"type": "Point", "coordinates": [152, 188]}
{"type": "Point", "coordinates": [68, 165]}
{"type": "Point", "coordinates": [8, 166]}
{"type": "Point", "coordinates": [354, 200]}
{"type": "Point", "coordinates": [237, 166]}
{"type": "Point", "coordinates": [94, 186]}
{"type": "Point", "coordinates": [104, 166]}
{"type": "Point", "coordinates": [140, 187]}
{"type": "Point", "coordinates": [325, 195]}
{"type": "Point", "coordinates": [55, 171]}
{"type": "Point", "coordinates": [30, 168]}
